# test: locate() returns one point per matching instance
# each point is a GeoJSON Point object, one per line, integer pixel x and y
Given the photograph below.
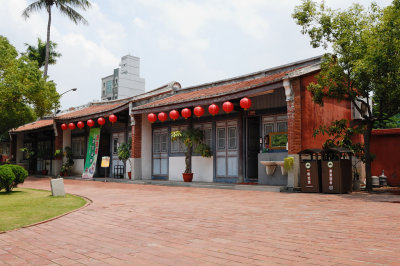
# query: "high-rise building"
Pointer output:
{"type": "Point", "coordinates": [124, 82]}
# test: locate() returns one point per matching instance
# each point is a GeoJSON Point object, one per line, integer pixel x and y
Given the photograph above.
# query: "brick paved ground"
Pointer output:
{"type": "Point", "coordinates": [157, 225]}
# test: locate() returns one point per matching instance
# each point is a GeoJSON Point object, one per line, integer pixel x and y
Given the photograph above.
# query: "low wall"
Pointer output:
{"type": "Point", "coordinates": [385, 144]}
{"type": "Point", "coordinates": [277, 179]}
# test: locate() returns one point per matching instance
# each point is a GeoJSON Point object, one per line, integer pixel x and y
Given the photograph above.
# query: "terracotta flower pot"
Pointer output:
{"type": "Point", "coordinates": [130, 175]}
{"type": "Point", "coordinates": [187, 177]}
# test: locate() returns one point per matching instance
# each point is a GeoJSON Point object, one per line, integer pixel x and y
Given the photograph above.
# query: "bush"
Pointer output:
{"type": "Point", "coordinates": [11, 175]}
{"type": "Point", "coordinates": [19, 172]}
{"type": "Point", "coordinates": [7, 178]}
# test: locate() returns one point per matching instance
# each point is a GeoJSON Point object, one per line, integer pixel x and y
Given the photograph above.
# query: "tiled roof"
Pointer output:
{"type": "Point", "coordinates": [34, 125]}
{"type": "Point", "coordinates": [215, 91]}
{"type": "Point", "coordinates": [90, 110]}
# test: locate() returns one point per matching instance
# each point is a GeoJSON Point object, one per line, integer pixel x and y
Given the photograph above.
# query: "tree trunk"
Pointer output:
{"type": "Point", "coordinates": [367, 139]}
{"type": "Point", "coordinates": [46, 60]}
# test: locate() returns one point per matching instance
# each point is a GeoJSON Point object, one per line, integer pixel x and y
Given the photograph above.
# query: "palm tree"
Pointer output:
{"type": "Point", "coordinates": [39, 53]}
{"type": "Point", "coordinates": [66, 7]}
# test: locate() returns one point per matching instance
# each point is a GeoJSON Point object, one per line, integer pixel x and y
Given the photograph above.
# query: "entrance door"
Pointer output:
{"type": "Point", "coordinates": [104, 150]}
{"type": "Point", "coordinates": [227, 150]}
{"type": "Point", "coordinates": [117, 139]}
{"type": "Point", "coordinates": [160, 153]}
{"type": "Point", "coordinates": [253, 148]}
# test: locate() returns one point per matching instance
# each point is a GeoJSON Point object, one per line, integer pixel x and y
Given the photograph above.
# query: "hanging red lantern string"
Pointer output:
{"type": "Point", "coordinates": [152, 118]}
{"type": "Point", "coordinates": [101, 121]}
{"type": "Point", "coordinates": [174, 114]}
{"type": "Point", "coordinates": [186, 113]}
{"type": "Point", "coordinates": [71, 126]}
{"type": "Point", "coordinates": [213, 109]}
{"type": "Point", "coordinates": [112, 118]}
{"type": "Point", "coordinates": [80, 124]}
{"type": "Point", "coordinates": [198, 111]}
{"type": "Point", "coordinates": [64, 126]}
{"type": "Point", "coordinates": [162, 116]}
{"type": "Point", "coordinates": [227, 107]}
{"type": "Point", "coordinates": [90, 123]}
{"type": "Point", "coordinates": [245, 103]}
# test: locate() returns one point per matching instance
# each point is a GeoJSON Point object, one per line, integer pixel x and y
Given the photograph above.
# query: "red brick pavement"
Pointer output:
{"type": "Point", "coordinates": [131, 224]}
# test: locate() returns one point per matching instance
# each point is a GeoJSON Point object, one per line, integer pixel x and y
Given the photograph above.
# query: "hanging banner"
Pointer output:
{"type": "Point", "coordinates": [92, 151]}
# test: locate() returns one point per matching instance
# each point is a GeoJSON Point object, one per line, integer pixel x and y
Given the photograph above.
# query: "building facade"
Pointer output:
{"type": "Point", "coordinates": [125, 82]}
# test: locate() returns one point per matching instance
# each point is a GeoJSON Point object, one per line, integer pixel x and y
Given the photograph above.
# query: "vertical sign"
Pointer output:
{"type": "Point", "coordinates": [92, 151]}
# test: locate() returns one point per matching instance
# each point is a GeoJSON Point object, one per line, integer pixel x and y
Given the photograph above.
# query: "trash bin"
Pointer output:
{"type": "Point", "coordinates": [336, 171]}
{"type": "Point", "coordinates": [310, 170]}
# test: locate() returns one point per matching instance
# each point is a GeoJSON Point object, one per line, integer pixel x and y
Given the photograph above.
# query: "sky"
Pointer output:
{"type": "Point", "coordinates": [189, 41]}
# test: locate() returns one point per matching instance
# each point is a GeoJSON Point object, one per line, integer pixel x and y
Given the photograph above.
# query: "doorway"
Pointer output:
{"type": "Point", "coordinates": [104, 150]}
{"type": "Point", "coordinates": [252, 148]}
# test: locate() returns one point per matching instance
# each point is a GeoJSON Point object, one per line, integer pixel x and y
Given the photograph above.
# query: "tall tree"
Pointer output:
{"type": "Point", "coordinates": [66, 7]}
{"type": "Point", "coordinates": [364, 63]}
{"type": "Point", "coordinates": [38, 53]}
{"type": "Point", "coordinates": [24, 92]}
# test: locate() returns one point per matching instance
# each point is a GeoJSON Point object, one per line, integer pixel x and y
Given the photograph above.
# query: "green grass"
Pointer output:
{"type": "Point", "coordinates": [27, 206]}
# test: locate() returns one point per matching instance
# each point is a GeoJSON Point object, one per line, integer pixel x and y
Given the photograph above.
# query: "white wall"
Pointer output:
{"type": "Point", "coordinates": [146, 148]}
{"type": "Point", "coordinates": [77, 168]}
{"type": "Point", "coordinates": [176, 168]}
{"type": "Point", "coordinates": [202, 168]}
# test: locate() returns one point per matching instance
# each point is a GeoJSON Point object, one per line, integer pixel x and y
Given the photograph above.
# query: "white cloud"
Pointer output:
{"type": "Point", "coordinates": [138, 22]}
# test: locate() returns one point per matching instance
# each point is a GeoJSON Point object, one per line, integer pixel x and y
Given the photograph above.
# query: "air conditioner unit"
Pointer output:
{"type": "Point", "coordinates": [355, 114]}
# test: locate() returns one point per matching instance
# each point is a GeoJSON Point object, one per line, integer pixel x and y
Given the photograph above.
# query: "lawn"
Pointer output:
{"type": "Point", "coordinates": [27, 206]}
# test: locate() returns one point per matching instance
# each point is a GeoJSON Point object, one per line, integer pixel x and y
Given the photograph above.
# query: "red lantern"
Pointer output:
{"type": "Point", "coordinates": [152, 118]}
{"type": "Point", "coordinates": [80, 124]}
{"type": "Point", "coordinates": [213, 109]}
{"type": "Point", "coordinates": [64, 126]}
{"type": "Point", "coordinates": [245, 103]}
{"type": "Point", "coordinates": [228, 107]}
{"type": "Point", "coordinates": [112, 118]}
{"type": "Point", "coordinates": [71, 126]}
{"type": "Point", "coordinates": [90, 123]}
{"type": "Point", "coordinates": [101, 121]}
{"type": "Point", "coordinates": [162, 116]}
{"type": "Point", "coordinates": [174, 114]}
{"type": "Point", "coordinates": [198, 111]}
{"type": "Point", "coordinates": [186, 113]}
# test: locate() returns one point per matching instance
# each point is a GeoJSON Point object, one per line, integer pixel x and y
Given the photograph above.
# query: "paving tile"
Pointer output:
{"type": "Point", "coordinates": [131, 224]}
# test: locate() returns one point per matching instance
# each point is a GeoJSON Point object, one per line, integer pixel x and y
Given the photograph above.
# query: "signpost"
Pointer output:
{"type": "Point", "coordinates": [105, 162]}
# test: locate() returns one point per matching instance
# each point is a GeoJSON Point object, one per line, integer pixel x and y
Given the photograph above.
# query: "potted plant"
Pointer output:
{"type": "Point", "coordinates": [29, 154]}
{"type": "Point", "coordinates": [191, 137]}
{"type": "Point", "coordinates": [124, 153]}
{"type": "Point", "coordinates": [68, 162]}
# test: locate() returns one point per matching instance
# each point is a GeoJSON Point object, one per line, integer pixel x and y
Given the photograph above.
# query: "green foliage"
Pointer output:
{"type": "Point", "coordinates": [29, 154]}
{"type": "Point", "coordinates": [24, 94]}
{"type": "Point", "coordinates": [66, 7]}
{"type": "Point", "coordinates": [341, 136]}
{"type": "Point", "coordinates": [20, 174]}
{"type": "Point", "coordinates": [279, 140]}
{"type": "Point", "coordinates": [38, 53]}
{"type": "Point", "coordinates": [7, 178]}
{"type": "Point", "coordinates": [364, 63]}
{"type": "Point", "coordinates": [68, 160]}
{"type": "Point", "coordinates": [192, 137]}
{"type": "Point", "coordinates": [288, 163]}
{"type": "Point", "coordinates": [392, 122]}
{"type": "Point", "coordinates": [124, 153]}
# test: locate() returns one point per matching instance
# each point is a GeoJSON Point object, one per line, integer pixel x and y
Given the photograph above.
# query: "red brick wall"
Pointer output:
{"type": "Point", "coordinates": [313, 115]}
{"type": "Point", "coordinates": [385, 144]}
{"type": "Point", "coordinates": [137, 137]}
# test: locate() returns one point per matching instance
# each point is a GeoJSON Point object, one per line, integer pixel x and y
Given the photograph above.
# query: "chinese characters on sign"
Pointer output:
{"type": "Point", "coordinates": [92, 151]}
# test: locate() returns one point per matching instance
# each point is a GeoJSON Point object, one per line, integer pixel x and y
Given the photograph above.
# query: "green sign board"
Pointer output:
{"type": "Point", "coordinates": [92, 151]}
